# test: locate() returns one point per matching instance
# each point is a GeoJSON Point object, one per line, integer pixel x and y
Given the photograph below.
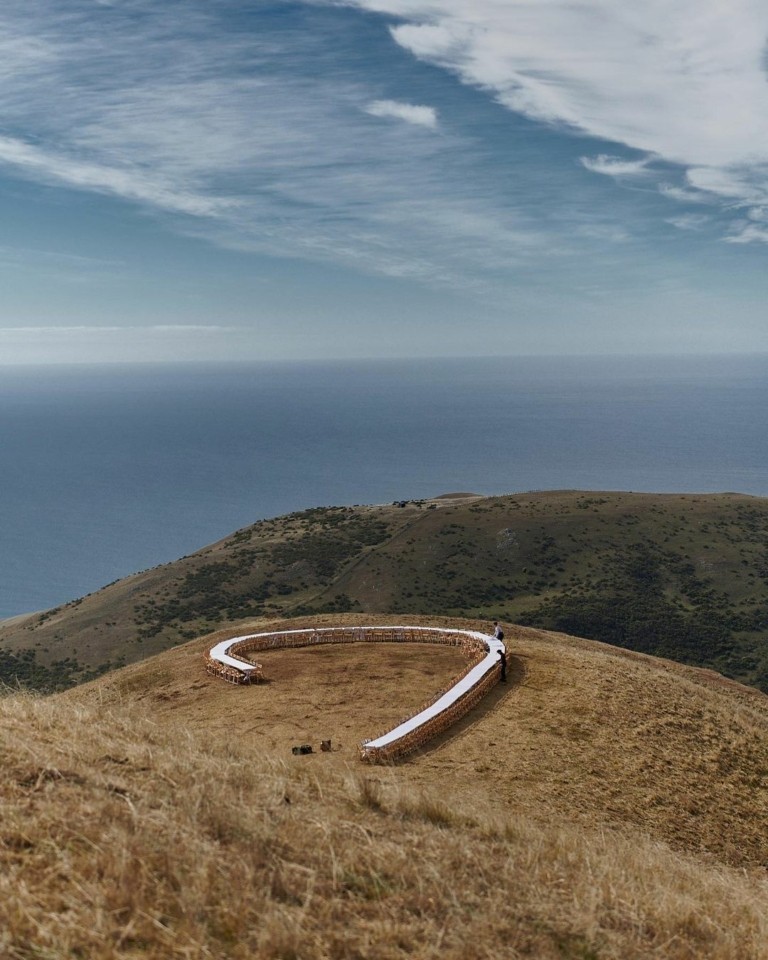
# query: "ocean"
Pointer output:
{"type": "Point", "coordinates": [108, 470]}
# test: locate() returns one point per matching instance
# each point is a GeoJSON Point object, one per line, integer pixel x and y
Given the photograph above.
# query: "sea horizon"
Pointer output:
{"type": "Point", "coordinates": [108, 469]}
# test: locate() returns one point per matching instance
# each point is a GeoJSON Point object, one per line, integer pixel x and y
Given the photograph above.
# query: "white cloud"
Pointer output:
{"type": "Point", "coordinates": [616, 166]}
{"type": "Point", "coordinates": [690, 221]}
{"type": "Point", "coordinates": [745, 232]}
{"type": "Point", "coordinates": [130, 184]}
{"type": "Point", "coordinates": [684, 194]}
{"type": "Point", "coordinates": [417, 114]}
{"type": "Point", "coordinates": [677, 78]}
{"type": "Point", "coordinates": [230, 134]}
{"type": "Point", "coordinates": [681, 80]}
{"type": "Point", "coordinates": [736, 184]}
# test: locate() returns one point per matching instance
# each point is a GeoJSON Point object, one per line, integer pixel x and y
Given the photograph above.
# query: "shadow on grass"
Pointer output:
{"type": "Point", "coordinates": [490, 704]}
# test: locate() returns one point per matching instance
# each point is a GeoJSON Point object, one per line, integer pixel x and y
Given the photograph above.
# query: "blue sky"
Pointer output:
{"type": "Point", "coordinates": [210, 179]}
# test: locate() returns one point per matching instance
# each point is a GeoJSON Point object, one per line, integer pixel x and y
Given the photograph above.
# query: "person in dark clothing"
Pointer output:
{"type": "Point", "coordinates": [503, 662]}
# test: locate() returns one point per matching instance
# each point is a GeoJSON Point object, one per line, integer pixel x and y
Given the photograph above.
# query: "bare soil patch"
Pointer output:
{"type": "Point", "coordinates": [345, 693]}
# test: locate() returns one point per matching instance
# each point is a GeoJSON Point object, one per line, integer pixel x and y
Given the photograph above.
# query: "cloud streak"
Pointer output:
{"type": "Point", "coordinates": [228, 135]}
{"type": "Point", "coordinates": [76, 343]}
{"type": "Point", "coordinates": [417, 114]}
{"type": "Point", "coordinates": [616, 166]}
{"type": "Point", "coordinates": [128, 184]}
{"type": "Point", "coordinates": [681, 80]}
{"type": "Point", "coordinates": [165, 329]}
{"type": "Point", "coordinates": [259, 136]}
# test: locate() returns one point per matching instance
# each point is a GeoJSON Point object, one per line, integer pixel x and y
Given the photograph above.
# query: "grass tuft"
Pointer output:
{"type": "Point", "coordinates": [369, 793]}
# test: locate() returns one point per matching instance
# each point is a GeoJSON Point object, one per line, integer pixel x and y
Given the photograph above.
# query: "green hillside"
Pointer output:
{"type": "Point", "coordinates": [680, 576]}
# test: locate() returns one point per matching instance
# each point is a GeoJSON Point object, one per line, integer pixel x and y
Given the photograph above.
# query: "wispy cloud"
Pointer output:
{"type": "Point", "coordinates": [263, 139]}
{"type": "Point", "coordinates": [17, 254]}
{"type": "Point", "coordinates": [146, 187]}
{"type": "Point", "coordinates": [231, 135]}
{"type": "Point", "coordinates": [685, 194]}
{"type": "Point", "coordinates": [680, 80]}
{"type": "Point", "coordinates": [600, 231]}
{"type": "Point", "coordinates": [690, 221]}
{"type": "Point", "coordinates": [746, 232]}
{"type": "Point", "coordinates": [77, 343]}
{"type": "Point", "coordinates": [676, 78]}
{"type": "Point", "coordinates": [616, 166]}
{"type": "Point", "coordinates": [409, 112]}
{"type": "Point", "coordinates": [76, 330]}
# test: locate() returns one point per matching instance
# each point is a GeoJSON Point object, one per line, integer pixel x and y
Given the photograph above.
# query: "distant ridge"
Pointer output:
{"type": "Point", "coordinates": [680, 576]}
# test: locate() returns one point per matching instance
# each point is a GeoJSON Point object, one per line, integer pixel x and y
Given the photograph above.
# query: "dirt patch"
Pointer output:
{"type": "Point", "coordinates": [345, 693]}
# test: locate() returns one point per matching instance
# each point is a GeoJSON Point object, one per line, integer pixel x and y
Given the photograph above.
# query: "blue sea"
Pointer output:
{"type": "Point", "coordinates": [108, 470]}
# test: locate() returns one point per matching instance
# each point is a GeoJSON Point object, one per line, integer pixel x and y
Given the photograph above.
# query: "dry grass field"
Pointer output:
{"type": "Point", "coordinates": [601, 804]}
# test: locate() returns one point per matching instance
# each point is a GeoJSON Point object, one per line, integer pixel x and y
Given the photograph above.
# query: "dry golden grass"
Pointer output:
{"type": "Point", "coordinates": [599, 735]}
{"type": "Point", "coordinates": [600, 805]}
{"type": "Point", "coordinates": [582, 730]}
{"type": "Point", "coordinates": [122, 837]}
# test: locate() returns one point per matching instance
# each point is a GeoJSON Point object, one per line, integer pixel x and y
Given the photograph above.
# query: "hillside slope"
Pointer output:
{"type": "Point", "coordinates": [582, 730]}
{"type": "Point", "coordinates": [602, 804]}
{"type": "Point", "coordinates": [682, 576]}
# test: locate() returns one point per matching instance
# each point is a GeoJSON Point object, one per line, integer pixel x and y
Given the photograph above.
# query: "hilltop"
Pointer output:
{"type": "Point", "coordinates": [626, 737]}
{"type": "Point", "coordinates": [680, 576]}
{"type": "Point", "coordinates": [602, 804]}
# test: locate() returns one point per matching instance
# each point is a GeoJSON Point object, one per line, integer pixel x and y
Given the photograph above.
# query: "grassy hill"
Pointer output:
{"type": "Point", "coordinates": [681, 576]}
{"type": "Point", "coordinates": [600, 805]}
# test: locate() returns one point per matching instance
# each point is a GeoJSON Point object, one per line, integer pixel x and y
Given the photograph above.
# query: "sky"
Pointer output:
{"type": "Point", "coordinates": [221, 180]}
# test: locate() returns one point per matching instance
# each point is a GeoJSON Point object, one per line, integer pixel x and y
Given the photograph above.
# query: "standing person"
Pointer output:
{"type": "Point", "coordinates": [503, 662]}
{"type": "Point", "coordinates": [498, 634]}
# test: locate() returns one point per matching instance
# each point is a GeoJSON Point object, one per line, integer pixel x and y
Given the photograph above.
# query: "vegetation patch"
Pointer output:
{"type": "Point", "coordinates": [23, 670]}
{"type": "Point", "coordinates": [684, 577]}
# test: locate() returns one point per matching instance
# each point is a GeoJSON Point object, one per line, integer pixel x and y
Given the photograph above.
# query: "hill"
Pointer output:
{"type": "Point", "coordinates": [602, 804]}
{"type": "Point", "coordinates": [680, 576]}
